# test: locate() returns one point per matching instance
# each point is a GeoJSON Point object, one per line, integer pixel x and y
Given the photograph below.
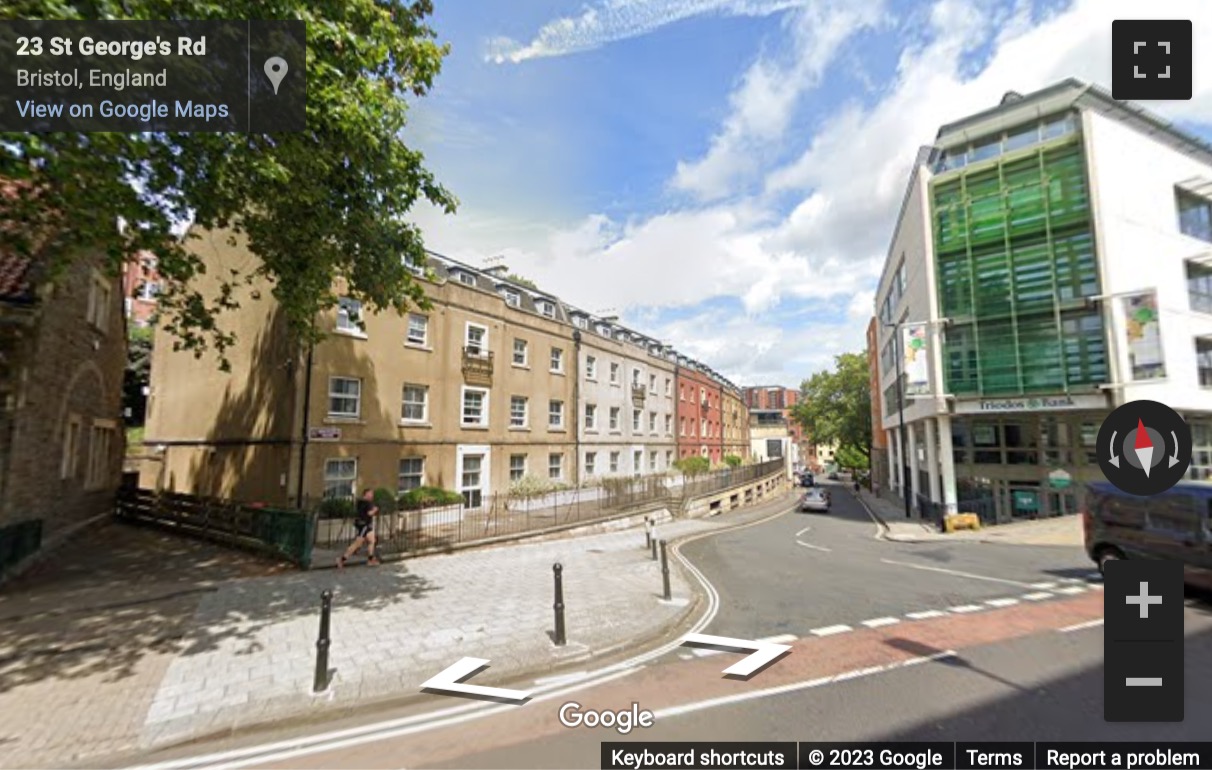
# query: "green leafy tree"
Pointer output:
{"type": "Point", "coordinates": [693, 466]}
{"type": "Point", "coordinates": [835, 407]}
{"type": "Point", "coordinates": [315, 206]}
{"type": "Point", "coordinates": [852, 459]}
{"type": "Point", "coordinates": [732, 461]}
{"type": "Point", "coordinates": [137, 375]}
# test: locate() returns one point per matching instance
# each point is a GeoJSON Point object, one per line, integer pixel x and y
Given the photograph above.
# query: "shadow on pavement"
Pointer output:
{"type": "Point", "coordinates": [128, 592]}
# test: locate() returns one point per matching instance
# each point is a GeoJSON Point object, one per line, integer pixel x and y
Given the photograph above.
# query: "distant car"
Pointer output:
{"type": "Point", "coordinates": [815, 500]}
{"type": "Point", "coordinates": [833, 476]}
{"type": "Point", "coordinates": [807, 480]}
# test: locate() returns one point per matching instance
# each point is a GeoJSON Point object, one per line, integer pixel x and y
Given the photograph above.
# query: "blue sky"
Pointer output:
{"type": "Point", "coordinates": [725, 174]}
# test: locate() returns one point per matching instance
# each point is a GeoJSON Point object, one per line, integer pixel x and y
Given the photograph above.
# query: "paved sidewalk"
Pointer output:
{"type": "Point", "coordinates": [1059, 530]}
{"type": "Point", "coordinates": [226, 655]}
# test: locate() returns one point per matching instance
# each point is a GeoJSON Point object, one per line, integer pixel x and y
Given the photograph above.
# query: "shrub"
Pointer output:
{"type": "Point", "coordinates": [385, 500]}
{"type": "Point", "coordinates": [427, 497]}
{"type": "Point", "coordinates": [693, 466]}
{"type": "Point", "coordinates": [732, 461]}
{"type": "Point", "coordinates": [535, 486]}
{"type": "Point", "coordinates": [337, 508]}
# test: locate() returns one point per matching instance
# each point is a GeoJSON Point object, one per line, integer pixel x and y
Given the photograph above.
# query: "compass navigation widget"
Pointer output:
{"type": "Point", "coordinates": [1144, 448]}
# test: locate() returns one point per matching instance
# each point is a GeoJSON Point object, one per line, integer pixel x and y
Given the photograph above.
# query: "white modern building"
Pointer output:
{"type": "Point", "coordinates": [1052, 260]}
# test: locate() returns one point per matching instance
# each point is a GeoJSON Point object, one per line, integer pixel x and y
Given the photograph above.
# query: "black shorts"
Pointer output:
{"type": "Point", "coordinates": [362, 528]}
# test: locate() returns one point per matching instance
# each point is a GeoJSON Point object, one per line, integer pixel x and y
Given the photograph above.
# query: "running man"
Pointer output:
{"type": "Point", "coordinates": [364, 528]}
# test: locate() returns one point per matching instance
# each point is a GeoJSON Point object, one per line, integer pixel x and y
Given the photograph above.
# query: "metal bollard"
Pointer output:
{"type": "Point", "coordinates": [654, 549]}
{"type": "Point", "coordinates": [323, 643]}
{"type": "Point", "coordinates": [647, 533]}
{"type": "Point", "coordinates": [665, 571]}
{"type": "Point", "coordinates": [560, 639]}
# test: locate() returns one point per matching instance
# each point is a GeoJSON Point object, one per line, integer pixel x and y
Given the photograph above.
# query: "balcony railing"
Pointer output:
{"type": "Point", "coordinates": [639, 394]}
{"type": "Point", "coordinates": [477, 366]}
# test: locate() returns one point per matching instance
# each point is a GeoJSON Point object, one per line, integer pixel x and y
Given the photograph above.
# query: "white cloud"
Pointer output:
{"type": "Point", "coordinates": [848, 178]}
{"type": "Point", "coordinates": [613, 20]}
{"type": "Point", "coordinates": [763, 103]}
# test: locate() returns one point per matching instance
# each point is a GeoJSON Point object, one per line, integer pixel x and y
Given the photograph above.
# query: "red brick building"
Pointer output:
{"type": "Point", "coordinates": [768, 397]}
{"type": "Point", "coordinates": [700, 396]}
{"type": "Point", "coordinates": [140, 286]}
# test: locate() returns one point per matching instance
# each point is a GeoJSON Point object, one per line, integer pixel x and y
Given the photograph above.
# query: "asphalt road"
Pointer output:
{"type": "Point", "coordinates": [889, 641]}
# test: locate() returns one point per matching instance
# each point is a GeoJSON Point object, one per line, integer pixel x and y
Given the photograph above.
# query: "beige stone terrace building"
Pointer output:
{"type": "Point", "coordinates": [496, 382]}
{"type": "Point", "coordinates": [626, 397]}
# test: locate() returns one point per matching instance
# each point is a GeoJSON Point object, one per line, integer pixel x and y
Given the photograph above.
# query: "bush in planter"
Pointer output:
{"type": "Point", "coordinates": [732, 461]}
{"type": "Point", "coordinates": [385, 500]}
{"type": "Point", "coordinates": [337, 508]}
{"type": "Point", "coordinates": [427, 497]}
{"type": "Point", "coordinates": [693, 466]}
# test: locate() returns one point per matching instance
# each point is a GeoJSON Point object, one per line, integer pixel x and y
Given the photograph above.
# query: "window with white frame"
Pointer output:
{"type": "Point", "coordinates": [636, 419]}
{"type": "Point", "coordinates": [652, 422]}
{"type": "Point", "coordinates": [349, 314]}
{"type": "Point", "coordinates": [591, 417]}
{"type": "Point", "coordinates": [340, 476]}
{"type": "Point", "coordinates": [652, 462]}
{"type": "Point", "coordinates": [557, 359]}
{"type": "Point", "coordinates": [100, 454]}
{"type": "Point", "coordinates": [71, 447]}
{"type": "Point", "coordinates": [668, 387]}
{"type": "Point", "coordinates": [635, 378]}
{"type": "Point", "coordinates": [344, 397]}
{"type": "Point", "coordinates": [467, 279]}
{"type": "Point", "coordinates": [520, 352]}
{"type": "Point", "coordinates": [555, 414]}
{"type": "Point", "coordinates": [472, 485]}
{"type": "Point", "coordinates": [614, 418]}
{"type": "Point", "coordinates": [668, 459]}
{"type": "Point", "coordinates": [416, 403]}
{"type": "Point", "coordinates": [637, 461]}
{"type": "Point", "coordinates": [475, 406]}
{"type": "Point", "coordinates": [517, 467]}
{"type": "Point", "coordinates": [614, 462]}
{"type": "Point", "coordinates": [652, 384]}
{"type": "Point", "coordinates": [681, 426]}
{"type": "Point", "coordinates": [418, 329]}
{"type": "Point", "coordinates": [668, 425]}
{"type": "Point", "coordinates": [591, 368]}
{"type": "Point", "coordinates": [591, 463]}
{"type": "Point", "coordinates": [614, 374]}
{"type": "Point", "coordinates": [477, 339]}
{"type": "Point", "coordinates": [411, 475]}
{"type": "Point", "coordinates": [518, 411]}
{"type": "Point", "coordinates": [149, 290]}
{"type": "Point", "coordinates": [547, 309]}
{"type": "Point", "coordinates": [512, 297]}
{"type": "Point", "coordinates": [555, 465]}
{"type": "Point", "coordinates": [580, 322]}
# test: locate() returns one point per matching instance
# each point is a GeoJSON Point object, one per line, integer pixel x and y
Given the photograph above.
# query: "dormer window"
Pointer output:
{"type": "Point", "coordinates": [512, 297]}
{"type": "Point", "coordinates": [547, 309]}
{"type": "Point", "coordinates": [580, 322]}
{"type": "Point", "coordinates": [466, 279]}
{"type": "Point", "coordinates": [604, 330]}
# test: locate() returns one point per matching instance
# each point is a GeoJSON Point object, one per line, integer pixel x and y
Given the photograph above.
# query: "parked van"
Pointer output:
{"type": "Point", "coordinates": [1175, 525]}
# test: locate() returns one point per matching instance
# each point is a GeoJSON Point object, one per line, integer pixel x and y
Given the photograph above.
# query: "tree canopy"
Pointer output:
{"type": "Point", "coordinates": [317, 205]}
{"type": "Point", "coordinates": [835, 406]}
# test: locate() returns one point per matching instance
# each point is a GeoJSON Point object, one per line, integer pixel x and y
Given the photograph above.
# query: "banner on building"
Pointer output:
{"type": "Point", "coordinates": [915, 366]}
{"type": "Point", "coordinates": [1146, 359]}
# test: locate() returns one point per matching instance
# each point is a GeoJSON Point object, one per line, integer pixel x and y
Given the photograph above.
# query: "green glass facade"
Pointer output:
{"type": "Point", "coordinates": [1015, 261]}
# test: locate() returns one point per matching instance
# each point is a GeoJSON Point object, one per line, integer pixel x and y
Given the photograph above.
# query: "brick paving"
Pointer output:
{"type": "Point", "coordinates": [171, 639]}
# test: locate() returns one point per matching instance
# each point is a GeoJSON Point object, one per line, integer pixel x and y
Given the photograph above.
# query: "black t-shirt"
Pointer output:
{"type": "Point", "coordinates": [364, 507]}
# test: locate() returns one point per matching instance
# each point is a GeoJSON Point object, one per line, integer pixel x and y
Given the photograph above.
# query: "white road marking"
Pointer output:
{"type": "Point", "coordinates": [703, 652]}
{"type": "Point", "coordinates": [726, 700]}
{"type": "Point", "coordinates": [1037, 596]}
{"type": "Point", "coordinates": [964, 608]}
{"type": "Point", "coordinates": [1002, 602]}
{"type": "Point", "coordinates": [1081, 626]}
{"type": "Point", "coordinates": [1071, 590]}
{"type": "Point", "coordinates": [878, 622]}
{"type": "Point", "coordinates": [957, 573]}
{"type": "Point", "coordinates": [830, 630]}
{"type": "Point", "coordinates": [814, 547]}
{"type": "Point", "coordinates": [925, 614]}
{"type": "Point", "coordinates": [802, 531]}
{"type": "Point", "coordinates": [1043, 586]}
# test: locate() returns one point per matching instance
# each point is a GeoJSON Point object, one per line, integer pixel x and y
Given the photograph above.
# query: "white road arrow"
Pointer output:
{"type": "Point", "coordinates": [448, 681]}
{"type": "Point", "coordinates": [763, 654]}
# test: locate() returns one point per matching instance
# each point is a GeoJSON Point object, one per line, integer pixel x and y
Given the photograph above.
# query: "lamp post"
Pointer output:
{"type": "Point", "coordinates": [900, 407]}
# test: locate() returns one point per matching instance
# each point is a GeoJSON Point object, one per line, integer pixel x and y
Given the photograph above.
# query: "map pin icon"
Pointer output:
{"type": "Point", "coordinates": [275, 70]}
